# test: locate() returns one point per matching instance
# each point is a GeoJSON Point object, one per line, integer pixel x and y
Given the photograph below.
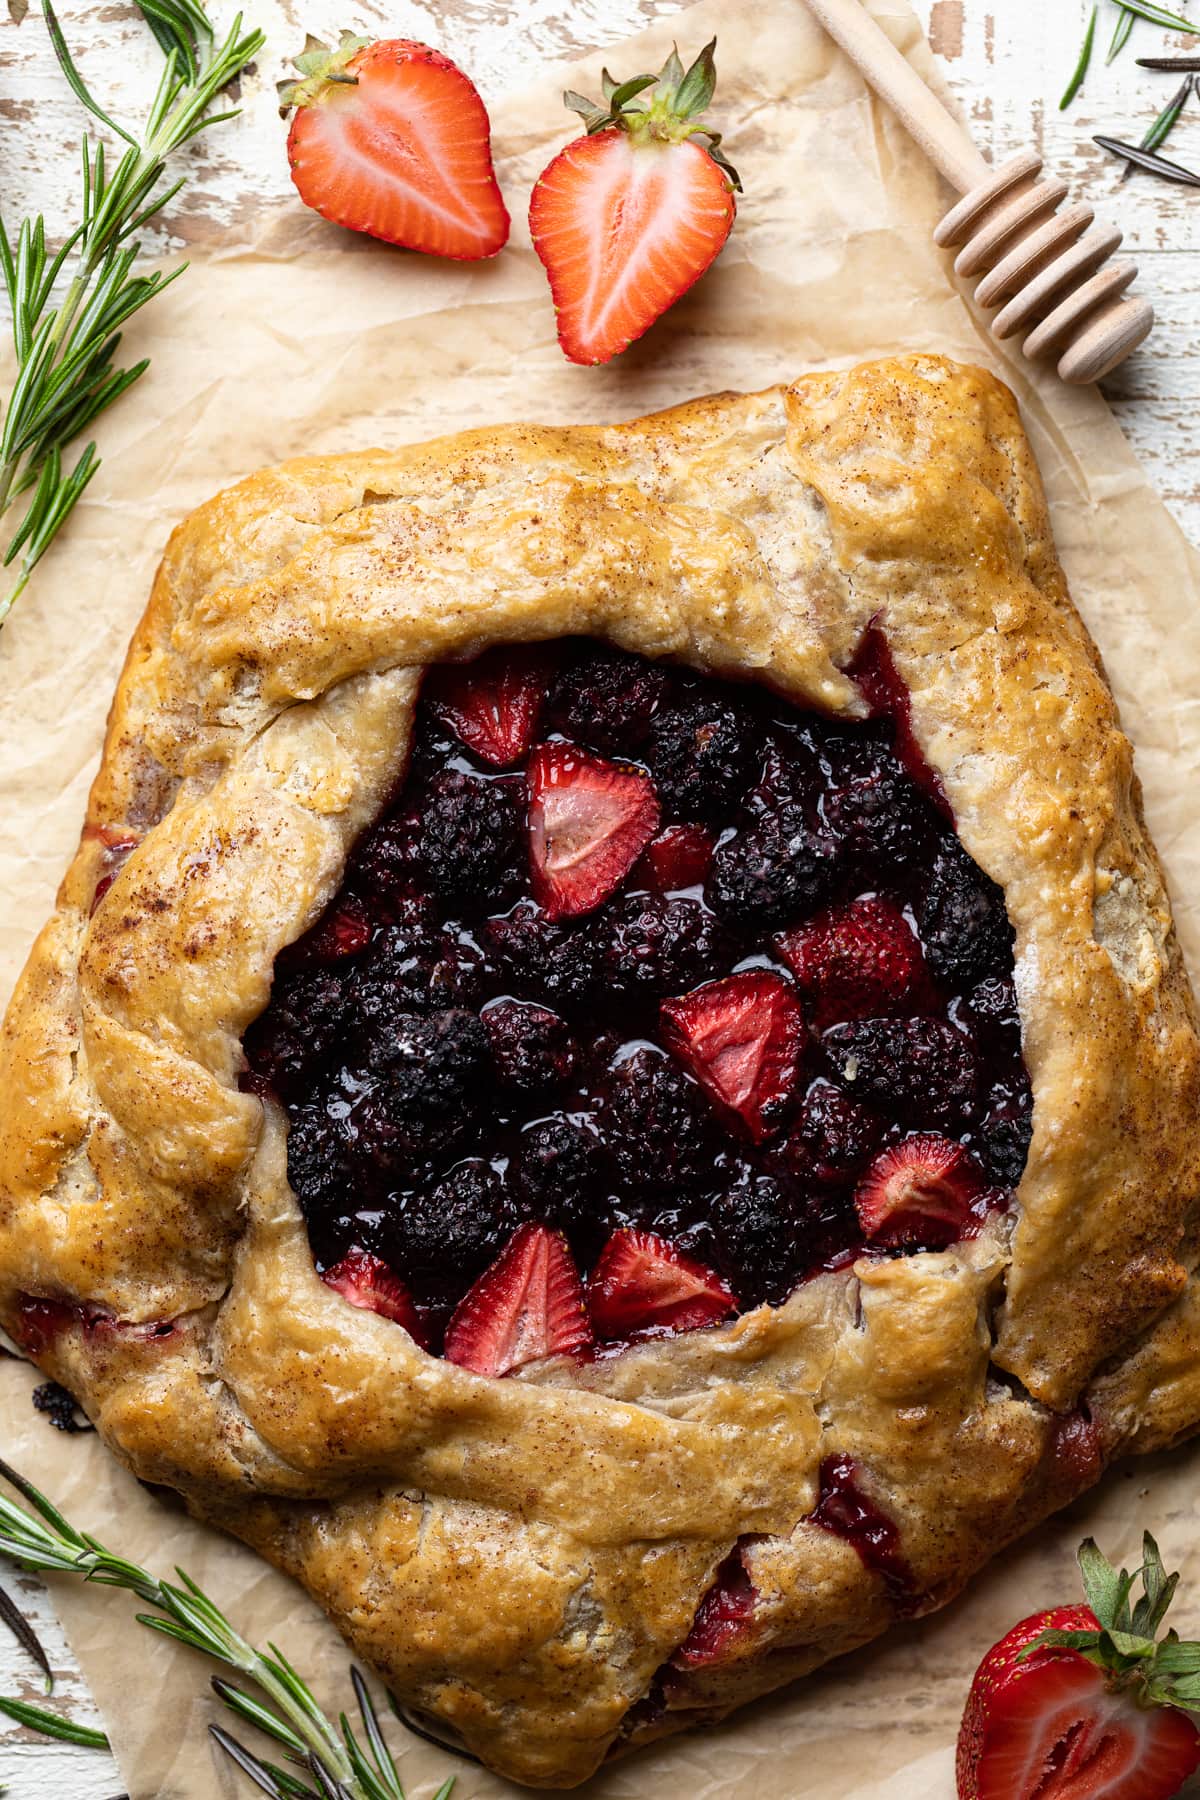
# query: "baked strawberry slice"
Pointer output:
{"type": "Point", "coordinates": [742, 1038]}
{"type": "Point", "coordinates": [393, 140]}
{"type": "Point", "coordinates": [722, 1617]}
{"type": "Point", "coordinates": [366, 1281]}
{"type": "Point", "coordinates": [527, 1306]}
{"type": "Point", "coordinates": [344, 931]}
{"type": "Point", "coordinates": [589, 821]}
{"type": "Point", "coordinates": [1084, 1702]}
{"type": "Point", "coordinates": [629, 216]}
{"type": "Point", "coordinates": [860, 961]}
{"type": "Point", "coordinates": [919, 1191]}
{"type": "Point", "coordinates": [493, 703]}
{"type": "Point", "coordinates": [643, 1283]}
{"type": "Point", "coordinates": [679, 857]}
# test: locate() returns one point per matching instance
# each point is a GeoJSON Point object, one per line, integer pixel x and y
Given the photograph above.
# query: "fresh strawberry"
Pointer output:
{"type": "Point", "coordinates": [642, 1282]}
{"type": "Point", "coordinates": [392, 139]}
{"type": "Point", "coordinates": [589, 821]}
{"type": "Point", "coordinates": [722, 1617]}
{"type": "Point", "coordinates": [860, 961]}
{"type": "Point", "coordinates": [367, 1282]}
{"type": "Point", "coordinates": [630, 215]}
{"type": "Point", "coordinates": [919, 1191]}
{"type": "Point", "coordinates": [742, 1038]}
{"type": "Point", "coordinates": [678, 857]}
{"type": "Point", "coordinates": [527, 1306]}
{"type": "Point", "coordinates": [493, 703]}
{"type": "Point", "coordinates": [1083, 1702]}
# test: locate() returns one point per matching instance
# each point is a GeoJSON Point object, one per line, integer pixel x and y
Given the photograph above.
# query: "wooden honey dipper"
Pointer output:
{"type": "Point", "coordinates": [1049, 274]}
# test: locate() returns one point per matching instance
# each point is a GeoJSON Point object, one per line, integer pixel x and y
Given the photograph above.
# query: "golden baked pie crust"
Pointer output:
{"type": "Point", "coordinates": [521, 1556]}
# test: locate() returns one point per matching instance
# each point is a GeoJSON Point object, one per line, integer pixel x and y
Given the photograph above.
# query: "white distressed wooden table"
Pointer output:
{"type": "Point", "coordinates": [1008, 61]}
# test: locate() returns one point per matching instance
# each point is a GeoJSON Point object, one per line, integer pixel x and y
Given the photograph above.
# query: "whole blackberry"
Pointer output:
{"type": "Point", "coordinates": [471, 848]}
{"type": "Point", "coordinates": [559, 964]}
{"type": "Point", "coordinates": [658, 946]}
{"type": "Point", "coordinates": [562, 1174]}
{"type": "Point", "coordinates": [964, 926]}
{"type": "Point", "coordinates": [704, 754]}
{"type": "Point", "coordinates": [1002, 1138]}
{"type": "Point", "coordinates": [532, 1047]}
{"type": "Point", "coordinates": [428, 1078]}
{"type": "Point", "coordinates": [304, 1024]}
{"type": "Point", "coordinates": [383, 864]}
{"type": "Point", "coordinates": [320, 1166]}
{"type": "Point", "coordinates": [756, 1228]}
{"type": "Point", "coordinates": [921, 1070]}
{"type": "Point", "coordinates": [441, 1237]}
{"type": "Point", "coordinates": [656, 1125]}
{"type": "Point", "coordinates": [414, 966]}
{"type": "Point", "coordinates": [606, 698]}
{"type": "Point", "coordinates": [834, 1136]}
{"type": "Point", "coordinates": [875, 813]}
{"type": "Point", "coordinates": [775, 873]}
{"type": "Point", "coordinates": [991, 1007]}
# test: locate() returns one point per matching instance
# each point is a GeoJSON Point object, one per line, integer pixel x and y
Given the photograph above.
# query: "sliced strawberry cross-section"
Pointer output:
{"type": "Point", "coordinates": [493, 703]}
{"type": "Point", "coordinates": [722, 1617]}
{"type": "Point", "coordinates": [919, 1191]}
{"type": "Point", "coordinates": [344, 931]}
{"type": "Point", "coordinates": [589, 821]}
{"type": "Point", "coordinates": [643, 1282]}
{"type": "Point", "coordinates": [742, 1038]}
{"type": "Point", "coordinates": [527, 1306]}
{"type": "Point", "coordinates": [860, 961]}
{"type": "Point", "coordinates": [367, 1282]}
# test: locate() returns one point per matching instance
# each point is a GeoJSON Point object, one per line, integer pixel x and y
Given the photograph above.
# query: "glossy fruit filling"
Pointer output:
{"type": "Point", "coordinates": [647, 997]}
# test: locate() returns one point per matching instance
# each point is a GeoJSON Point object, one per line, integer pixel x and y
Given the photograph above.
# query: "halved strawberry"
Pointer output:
{"type": "Point", "coordinates": [589, 821]}
{"type": "Point", "coordinates": [742, 1038]}
{"type": "Point", "coordinates": [492, 703]}
{"type": "Point", "coordinates": [629, 216]}
{"type": "Point", "coordinates": [678, 857]}
{"type": "Point", "coordinates": [527, 1306]}
{"type": "Point", "coordinates": [919, 1191]}
{"type": "Point", "coordinates": [641, 1282]}
{"type": "Point", "coordinates": [860, 961]}
{"type": "Point", "coordinates": [1086, 1702]}
{"type": "Point", "coordinates": [722, 1617]}
{"type": "Point", "coordinates": [367, 1282]}
{"type": "Point", "coordinates": [392, 139]}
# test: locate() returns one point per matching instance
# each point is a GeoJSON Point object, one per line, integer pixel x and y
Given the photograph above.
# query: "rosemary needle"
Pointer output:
{"type": "Point", "coordinates": [1191, 63]}
{"type": "Point", "coordinates": [1120, 37]}
{"type": "Point", "coordinates": [1158, 15]}
{"type": "Point", "coordinates": [1165, 122]}
{"type": "Point", "coordinates": [1081, 67]}
{"type": "Point", "coordinates": [1149, 160]}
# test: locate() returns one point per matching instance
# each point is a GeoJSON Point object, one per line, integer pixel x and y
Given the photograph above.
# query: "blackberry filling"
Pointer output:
{"type": "Point", "coordinates": [737, 1007]}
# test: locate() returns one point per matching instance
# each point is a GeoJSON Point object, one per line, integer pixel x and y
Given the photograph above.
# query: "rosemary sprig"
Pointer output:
{"type": "Point", "coordinates": [26, 1636]}
{"type": "Point", "coordinates": [1081, 67]}
{"type": "Point", "coordinates": [332, 1758]}
{"type": "Point", "coordinates": [68, 309]}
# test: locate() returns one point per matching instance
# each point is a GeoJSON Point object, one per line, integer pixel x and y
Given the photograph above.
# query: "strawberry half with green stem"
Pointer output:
{"type": "Point", "coordinates": [628, 217]}
{"type": "Point", "coordinates": [1086, 1702]}
{"type": "Point", "coordinates": [393, 140]}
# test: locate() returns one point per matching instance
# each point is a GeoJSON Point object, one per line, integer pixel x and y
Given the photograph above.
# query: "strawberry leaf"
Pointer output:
{"type": "Point", "coordinates": [694, 93]}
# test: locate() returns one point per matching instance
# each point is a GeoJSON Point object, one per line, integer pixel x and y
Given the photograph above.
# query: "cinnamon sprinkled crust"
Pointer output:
{"type": "Point", "coordinates": [524, 1556]}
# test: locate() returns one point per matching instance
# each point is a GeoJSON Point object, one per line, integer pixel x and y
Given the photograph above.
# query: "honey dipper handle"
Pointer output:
{"type": "Point", "coordinates": [941, 137]}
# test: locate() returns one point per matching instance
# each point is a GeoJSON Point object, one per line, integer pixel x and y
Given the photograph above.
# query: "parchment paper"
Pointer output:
{"type": "Point", "coordinates": [292, 337]}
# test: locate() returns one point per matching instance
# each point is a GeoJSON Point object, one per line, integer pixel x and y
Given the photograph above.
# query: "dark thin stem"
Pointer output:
{"type": "Point", "coordinates": [1150, 161]}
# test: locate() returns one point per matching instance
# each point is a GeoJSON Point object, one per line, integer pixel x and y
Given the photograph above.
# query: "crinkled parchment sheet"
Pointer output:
{"type": "Point", "coordinates": [299, 338]}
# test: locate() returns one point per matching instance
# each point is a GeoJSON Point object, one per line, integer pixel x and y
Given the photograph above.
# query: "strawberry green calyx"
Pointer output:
{"type": "Point", "coordinates": [668, 115]}
{"type": "Point", "coordinates": [1153, 1671]}
{"type": "Point", "coordinates": [321, 69]}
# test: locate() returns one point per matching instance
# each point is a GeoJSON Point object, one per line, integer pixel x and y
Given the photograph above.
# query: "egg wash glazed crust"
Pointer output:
{"type": "Point", "coordinates": [787, 820]}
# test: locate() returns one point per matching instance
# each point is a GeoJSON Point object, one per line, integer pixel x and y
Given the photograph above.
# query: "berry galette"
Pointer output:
{"type": "Point", "coordinates": [611, 1084]}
